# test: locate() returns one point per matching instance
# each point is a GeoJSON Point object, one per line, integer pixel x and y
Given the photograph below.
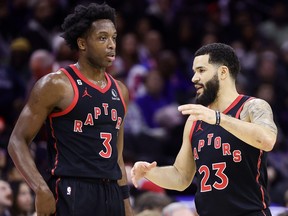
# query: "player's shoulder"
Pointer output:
{"type": "Point", "coordinates": [53, 82]}
{"type": "Point", "coordinates": [121, 84]}
{"type": "Point", "coordinates": [256, 102]}
{"type": "Point", "coordinates": [54, 78]}
{"type": "Point", "coordinates": [255, 107]}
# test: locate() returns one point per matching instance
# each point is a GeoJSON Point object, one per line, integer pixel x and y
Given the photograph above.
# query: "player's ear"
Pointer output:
{"type": "Point", "coordinates": [81, 44]}
{"type": "Point", "coordinates": [223, 71]}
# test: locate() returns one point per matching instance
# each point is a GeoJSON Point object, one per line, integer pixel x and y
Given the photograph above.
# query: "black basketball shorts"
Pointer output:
{"type": "Point", "coordinates": [87, 197]}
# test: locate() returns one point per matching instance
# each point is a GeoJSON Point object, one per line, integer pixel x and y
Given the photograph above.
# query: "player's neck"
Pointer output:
{"type": "Point", "coordinates": [91, 72]}
{"type": "Point", "coordinates": [224, 100]}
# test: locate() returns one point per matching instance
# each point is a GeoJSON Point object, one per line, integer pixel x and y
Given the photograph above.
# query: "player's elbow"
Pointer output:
{"type": "Point", "coordinates": [184, 183]}
{"type": "Point", "coordinates": [11, 147]}
{"type": "Point", "coordinates": [268, 143]}
{"type": "Point", "coordinates": [184, 178]}
{"type": "Point", "coordinates": [182, 187]}
{"type": "Point", "coordinates": [14, 145]}
{"type": "Point", "coordinates": [268, 146]}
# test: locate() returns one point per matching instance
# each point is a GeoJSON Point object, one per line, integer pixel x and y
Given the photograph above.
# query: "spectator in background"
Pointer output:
{"type": "Point", "coordinates": [43, 25]}
{"type": "Point", "coordinates": [41, 63]}
{"type": "Point", "coordinates": [150, 49]}
{"type": "Point", "coordinates": [275, 29]}
{"type": "Point", "coordinates": [149, 213]}
{"type": "Point", "coordinates": [62, 53]}
{"type": "Point", "coordinates": [13, 78]}
{"type": "Point", "coordinates": [23, 202]}
{"type": "Point", "coordinates": [11, 173]}
{"type": "Point", "coordinates": [154, 98]}
{"type": "Point", "coordinates": [176, 83]}
{"type": "Point", "coordinates": [12, 94]}
{"type": "Point", "coordinates": [19, 58]}
{"type": "Point", "coordinates": [127, 56]}
{"type": "Point", "coordinates": [151, 201]}
{"type": "Point", "coordinates": [154, 101]}
{"type": "Point", "coordinates": [272, 75]}
{"type": "Point", "coordinates": [5, 198]}
{"type": "Point", "coordinates": [177, 209]}
{"type": "Point", "coordinates": [3, 161]}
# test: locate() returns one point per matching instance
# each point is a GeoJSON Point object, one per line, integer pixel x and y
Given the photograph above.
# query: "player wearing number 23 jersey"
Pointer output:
{"type": "Point", "coordinates": [225, 142]}
{"type": "Point", "coordinates": [232, 180]}
{"type": "Point", "coordinates": [83, 137]}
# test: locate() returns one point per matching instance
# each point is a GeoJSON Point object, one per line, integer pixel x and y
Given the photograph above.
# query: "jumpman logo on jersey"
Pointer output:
{"type": "Point", "coordinates": [199, 127]}
{"type": "Point", "coordinates": [85, 93]}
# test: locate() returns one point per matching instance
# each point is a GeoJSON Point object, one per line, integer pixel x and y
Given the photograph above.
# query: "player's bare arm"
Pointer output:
{"type": "Point", "coordinates": [120, 141]}
{"type": "Point", "coordinates": [120, 145]}
{"type": "Point", "coordinates": [256, 126]}
{"type": "Point", "coordinates": [184, 162]}
{"type": "Point", "coordinates": [44, 98]}
{"type": "Point", "coordinates": [175, 177]}
{"type": "Point", "coordinates": [259, 112]}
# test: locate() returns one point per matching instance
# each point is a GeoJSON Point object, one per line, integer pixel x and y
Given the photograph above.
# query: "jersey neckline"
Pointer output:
{"type": "Point", "coordinates": [88, 82]}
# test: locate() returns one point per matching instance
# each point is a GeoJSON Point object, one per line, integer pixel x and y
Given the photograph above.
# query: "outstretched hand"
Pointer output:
{"type": "Point", "coordinates": [140, 169]}
{"type": "Point", "coordinates": [198, 112]}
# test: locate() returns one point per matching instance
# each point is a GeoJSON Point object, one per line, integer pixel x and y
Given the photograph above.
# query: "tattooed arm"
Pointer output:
{"type": "Point", "coordinates": [256, 127]}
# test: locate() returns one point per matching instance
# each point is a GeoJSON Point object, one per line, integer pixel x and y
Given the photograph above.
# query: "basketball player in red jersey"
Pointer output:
{"type": "Point", "coordinates": [84, 109]}
{"type": "Point", "coordinates": [225, 142]}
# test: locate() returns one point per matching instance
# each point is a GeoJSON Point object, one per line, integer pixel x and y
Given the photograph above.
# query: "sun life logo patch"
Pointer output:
{"type": "Point", "coordinates": [114, 95]}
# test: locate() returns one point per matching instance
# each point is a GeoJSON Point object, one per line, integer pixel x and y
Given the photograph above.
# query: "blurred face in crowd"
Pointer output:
{"type": "Point", "coordinates": [154, 83]}
{"type": "Point", "coordinates": [205, 80]}
{"type": "Point", "coordinates": [5, 194]}
{"type": "Point", "coordinates": [129, 44]}
{"type": "Point", "coordinates": [182, 212]}
{"type": "Point", "coordinates": [24, 198]}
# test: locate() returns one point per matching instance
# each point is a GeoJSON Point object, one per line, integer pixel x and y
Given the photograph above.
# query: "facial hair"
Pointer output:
{"type": "Point", "coordinates": [210, 92]}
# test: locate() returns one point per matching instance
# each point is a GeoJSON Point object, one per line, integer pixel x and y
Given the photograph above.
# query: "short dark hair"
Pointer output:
{"type": "Point", "coordinates": [221, 54]}
{"type": "Point", "coordinates": [78, 23]}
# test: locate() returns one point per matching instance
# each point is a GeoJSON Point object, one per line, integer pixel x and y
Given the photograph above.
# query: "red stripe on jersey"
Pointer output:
{"type": "Point", "coordinates": [56, 192]}
{"type": "Point", "coordinates": [241, 108]}
{"type": "Point", "coordinates": [192, 130]}
{"type": "Point", "coordinates": [55, 146]}
{"type": "Point", "coordinates": [74, 101]}
{"type": "Point", "coordinates": [234, 103]}
{"type": "Point", "coordinates": [257, 179]}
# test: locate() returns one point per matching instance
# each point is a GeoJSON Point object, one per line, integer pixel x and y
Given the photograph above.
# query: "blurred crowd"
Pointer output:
{"type": "Point", "coordinates": [155, 45]}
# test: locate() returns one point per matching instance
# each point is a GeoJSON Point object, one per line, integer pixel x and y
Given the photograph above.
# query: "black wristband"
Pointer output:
{"type": "Point", "coordinates": [218, 117]}
{"type": "Point", "coordinates": [125, 190]}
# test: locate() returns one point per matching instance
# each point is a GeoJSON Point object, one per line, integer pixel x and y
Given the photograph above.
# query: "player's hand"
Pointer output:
{"type": "Point", "coordinates": [44, 202]}
{"type": "Point", "coordinates": [198, 112]}
{"type": "Point", "coordinates": [139, 170]}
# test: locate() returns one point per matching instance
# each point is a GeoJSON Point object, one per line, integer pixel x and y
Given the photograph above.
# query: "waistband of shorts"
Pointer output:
{"type": "Point", "coordinates": [87, 179]}
{"type": "Point", "coordinates": [264, 212]}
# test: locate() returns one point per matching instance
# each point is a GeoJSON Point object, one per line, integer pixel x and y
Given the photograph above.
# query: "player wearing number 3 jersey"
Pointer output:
{"type": "Point", "coordinates": [225, 142]}
{"type": "Point", "coordinates": [83, 137]}
{"type": "Point", "coordinates": [84, 109]}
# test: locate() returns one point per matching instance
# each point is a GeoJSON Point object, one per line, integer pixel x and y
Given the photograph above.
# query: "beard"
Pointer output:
{"type": "Point", "coordinates": [210, 91]}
